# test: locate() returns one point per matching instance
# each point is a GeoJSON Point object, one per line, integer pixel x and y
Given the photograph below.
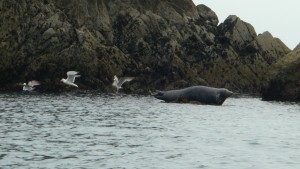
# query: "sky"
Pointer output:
{"type": "Point", "coordinates": [280, 17]}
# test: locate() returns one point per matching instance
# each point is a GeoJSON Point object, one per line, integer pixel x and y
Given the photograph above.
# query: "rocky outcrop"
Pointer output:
{"type": "Point", "coordinates": [207, 15]}
{"type": "Point", "coordinates": [297, 47]}
{"type": "Point", "coordinates": [284, 79]}
{"type": "Point", "coordinates": [164, 44]}
{"type": "Point", "coordinates": [239, 33]}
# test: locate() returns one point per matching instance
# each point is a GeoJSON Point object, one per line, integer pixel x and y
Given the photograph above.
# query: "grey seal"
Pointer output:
{"type": "Point", "coordinates": [201, 94]}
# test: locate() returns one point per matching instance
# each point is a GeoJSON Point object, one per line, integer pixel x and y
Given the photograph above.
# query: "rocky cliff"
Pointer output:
{"type": "Point", "coordinates": [164, 44]}
{"type": "Point", "coordinates": [284, 79]}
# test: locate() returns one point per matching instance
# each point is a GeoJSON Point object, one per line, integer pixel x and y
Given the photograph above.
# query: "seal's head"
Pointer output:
{"type": "Point", "coordinates": [227, 92]}
{"type": "Point", "coordinates": [223, 94]}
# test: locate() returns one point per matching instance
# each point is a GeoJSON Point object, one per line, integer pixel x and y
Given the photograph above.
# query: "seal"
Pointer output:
{"type": "Point", "coordinates": [201, 94]}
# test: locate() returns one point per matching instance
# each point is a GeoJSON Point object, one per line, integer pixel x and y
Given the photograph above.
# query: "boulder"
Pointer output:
{"type": "Point", "coordinates": [238, 32]}
{"type": "Point", "coordinates": [208, 15]}
{"type": "Point", "coordinates": [284, 79]}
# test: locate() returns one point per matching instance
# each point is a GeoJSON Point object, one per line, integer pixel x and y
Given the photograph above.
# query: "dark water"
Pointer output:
{"type": "Point", "coordinates": [124, 131]}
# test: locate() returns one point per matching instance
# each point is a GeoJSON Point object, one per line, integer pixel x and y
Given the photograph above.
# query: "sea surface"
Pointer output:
{"type": "Point", "coordinates": [118, 131]}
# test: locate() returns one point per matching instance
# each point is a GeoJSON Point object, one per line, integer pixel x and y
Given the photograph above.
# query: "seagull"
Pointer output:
{"type": "Point", "coordinates": [119, 82]}
{"type": "Point", "coordinates": [70, 79]}
{"type": "Point", "coordinates": [30, 85]}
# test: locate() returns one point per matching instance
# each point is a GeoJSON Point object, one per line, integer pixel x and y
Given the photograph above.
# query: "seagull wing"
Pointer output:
{"type": "Point", "coordinates": [124, 79]}
{"type": "Point", "coordinates": [33, 83]}
{"type": "Point", "coordinates": [115, 83]}
{"type": "Point", "coordinates": [72, 75]}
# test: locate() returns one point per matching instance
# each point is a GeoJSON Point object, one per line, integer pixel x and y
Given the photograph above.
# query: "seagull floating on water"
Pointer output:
{"type": "Point", "coordinates": [119, 82]}
{"type": "Point", "coordinates": [30, 85]}
{"type": "Point", "coordinates": [71, 78]}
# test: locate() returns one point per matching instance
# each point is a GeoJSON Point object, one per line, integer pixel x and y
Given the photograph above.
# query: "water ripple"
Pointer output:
{"type": "Point", "coordinates": [82, 130]}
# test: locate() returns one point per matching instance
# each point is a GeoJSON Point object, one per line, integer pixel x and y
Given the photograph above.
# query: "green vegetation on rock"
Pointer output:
{"type": "Point", "coordinates": [284, 79]}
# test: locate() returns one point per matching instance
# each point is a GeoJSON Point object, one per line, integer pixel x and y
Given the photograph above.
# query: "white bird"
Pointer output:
{"type": "Point", "coordinates": [30, 85]}
{"type": "Point", "coordinates": [119, 82]}
{"type": "Point", "coordinates": [70, 79]}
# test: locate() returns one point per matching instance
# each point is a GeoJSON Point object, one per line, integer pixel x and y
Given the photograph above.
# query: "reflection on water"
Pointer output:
{"type": "Point", "coordinates": [74, 130]}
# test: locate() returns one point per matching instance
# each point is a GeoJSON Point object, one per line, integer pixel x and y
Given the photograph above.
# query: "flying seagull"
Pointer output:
{"type": "Point", "coordinates": [70, 79]}
{"type": "Point", "coordinates": [119, 82]}
{"type": "Point", "coordinates": [30, 85]}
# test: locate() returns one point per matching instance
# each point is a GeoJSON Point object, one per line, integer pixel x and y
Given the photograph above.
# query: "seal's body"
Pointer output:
{"type": "Point", "coordinates": [201, 94]}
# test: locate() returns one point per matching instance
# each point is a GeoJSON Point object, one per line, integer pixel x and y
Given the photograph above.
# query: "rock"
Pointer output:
{"type": "Point", "coordinates": [271, 47]}
{"type": "Point", "coordinates": [239, 33]}
{"type": "Point", "coordinates": [165, 44]}
{"type": "Point", "coordinates": [48, 33]}
{"type": "Point", "coordinates": [297, 47]}
{"type": "Point", "coordinates": [284, 79]}
{"type": "Point", "coordinates": [207, 15]}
